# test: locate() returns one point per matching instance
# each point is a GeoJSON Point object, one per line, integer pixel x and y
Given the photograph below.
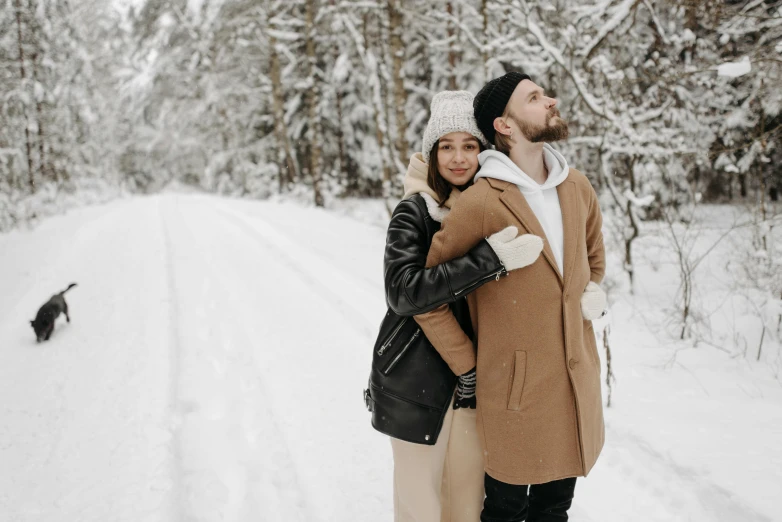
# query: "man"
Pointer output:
{"type": "Point", "coordinates": [540, 414]}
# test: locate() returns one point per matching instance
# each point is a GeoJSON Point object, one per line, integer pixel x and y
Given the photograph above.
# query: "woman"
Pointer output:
{"type": "Point", "coordinates": [438, 462]}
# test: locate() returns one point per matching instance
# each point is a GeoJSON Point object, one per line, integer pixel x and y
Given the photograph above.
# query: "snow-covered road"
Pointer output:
{"type": "Point", "coordinates": [213, 371]}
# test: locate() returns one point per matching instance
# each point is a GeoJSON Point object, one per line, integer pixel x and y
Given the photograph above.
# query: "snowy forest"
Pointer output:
{"type": "Point", "coordinates": [676, 99]}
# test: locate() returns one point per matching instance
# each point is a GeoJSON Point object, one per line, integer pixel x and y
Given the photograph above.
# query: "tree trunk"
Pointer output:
{"type": "Point", "coordinates": [485, 50]}
{"type": "Point", "coordinates": [384, 80]}
{"type": "Point", "coordinates": [762, 179]}
{"type": "Point", "coordinates": [313, 97]}
{"type": "Point", "coordinates": [691, 16]}
{"type": "Point", "coordinates": [400, 95]}
{"type": "Point", "coordinates": [349, 176]}
{"type": "Point", "coordinates": [288, 173]}
{"type": "Point", "coordinates": [609, 368]}
{"type": "Point", "coordinates": [691, 23]}
{"type": "Point", "coordinates": [451, 51]}
{"type": "Point", "coordinates": [46, 170]}
{"type": "Point", "coordinates": [379, 101]}
{"type": "Point", "coordinates": [634, 227]}
{"type": "Point", "coordinates": [28, 144]}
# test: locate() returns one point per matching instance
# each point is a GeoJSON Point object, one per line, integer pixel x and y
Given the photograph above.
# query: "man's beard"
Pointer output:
{"type": "Point", "coordinates": [547, 132]}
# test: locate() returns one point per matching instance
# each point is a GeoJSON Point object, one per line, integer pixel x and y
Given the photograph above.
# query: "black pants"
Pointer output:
{"type": "Point", "coordinates": [543, 503]}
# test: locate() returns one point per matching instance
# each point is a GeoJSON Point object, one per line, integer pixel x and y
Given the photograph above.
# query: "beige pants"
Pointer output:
{"type": "Point", "coordinates": [444, 482]}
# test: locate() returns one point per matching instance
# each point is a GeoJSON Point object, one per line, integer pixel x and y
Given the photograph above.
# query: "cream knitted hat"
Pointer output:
{"type": "Point", "coordinates": [452, 111]}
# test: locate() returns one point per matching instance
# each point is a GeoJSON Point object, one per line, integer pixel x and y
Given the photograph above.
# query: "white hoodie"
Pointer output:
{"type": "Point", "coordinates": [542, 199]}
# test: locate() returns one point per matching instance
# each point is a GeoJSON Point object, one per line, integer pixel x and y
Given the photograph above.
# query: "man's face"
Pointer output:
{"type": "Point", "coordinates": [535, 115]}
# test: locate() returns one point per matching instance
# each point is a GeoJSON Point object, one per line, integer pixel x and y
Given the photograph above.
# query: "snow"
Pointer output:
{"type": "Point", "coordinates": [643, 201]}
{"type": "Point", "coordinates": [26, 209]}
{"type": "Point", "coordinates": [620, 15]}
{"type": "Point", "coordinates": [283, 36]}
{"type": "Point", "coordinates": [218, 349]}
{"type": "Point", "coordinates": [688, 36]}
{"type": "Point", "coordinates": [735, 69]}
{"type": "Point", "coordinates": [342, 68]}
{"type": "Point", "coordinates": [707, 411]}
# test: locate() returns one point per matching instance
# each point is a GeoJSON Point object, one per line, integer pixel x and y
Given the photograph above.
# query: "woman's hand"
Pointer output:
{"type": "Point", "coordinates": [515, 252]}
{"type": "Point", "coordinates": [465, 391]}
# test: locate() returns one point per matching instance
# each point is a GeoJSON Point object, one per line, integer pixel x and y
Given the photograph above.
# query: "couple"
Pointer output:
{"type": "Point", "coordinates": [492, 265]}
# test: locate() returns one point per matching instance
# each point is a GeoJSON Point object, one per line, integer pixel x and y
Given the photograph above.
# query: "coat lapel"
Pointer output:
{"type": "Point", "coordinates": [512, 198]}
{"type": "Point", "coordinates": [568, 202]}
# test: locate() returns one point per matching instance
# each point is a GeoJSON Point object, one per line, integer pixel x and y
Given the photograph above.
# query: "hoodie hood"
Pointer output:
{"type": "Point", "coordinates": [415, 183]}
{"type": "Point", "coordinates": [543, 199]}
{"type": "Point", "coordinates": [415, 179]}
{"type": "Point", "coordinates": [497, 165]}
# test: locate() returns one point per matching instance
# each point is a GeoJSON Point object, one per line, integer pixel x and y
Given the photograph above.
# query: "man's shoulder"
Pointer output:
{"type": "Point", "coordinates": [471, 204]}
{"type": "Point", "coordinates": [475, 194]}
{"type": "Point", "coordinates": [581, 181]}
{"type": "Point", "coordinates": [485, 186]}
{"type": "Point", "coordinates": [576, 176]}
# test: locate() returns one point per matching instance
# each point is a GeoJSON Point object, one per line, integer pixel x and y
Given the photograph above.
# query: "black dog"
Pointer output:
{"type": "Point", "coordinates": [44, 320]}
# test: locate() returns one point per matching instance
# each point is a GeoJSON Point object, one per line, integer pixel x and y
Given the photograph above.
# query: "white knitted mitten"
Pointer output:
{"type": "Point", "coordinates": [593, 302]}
{"type": "Point", "coordinates": [515, 252]}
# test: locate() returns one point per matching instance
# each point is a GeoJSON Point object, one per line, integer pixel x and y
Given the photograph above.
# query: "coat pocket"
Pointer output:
{"type": "Point", "coordinates": [590, 342]}
{"type": "Point", "coordinates": [390, 339]}
{"type": "Point", "coordinates": [517, 382]}
{"type": "Point", "coordinates": [396, 357]}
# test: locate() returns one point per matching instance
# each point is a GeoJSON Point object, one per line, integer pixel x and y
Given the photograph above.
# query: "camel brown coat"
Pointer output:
{"type": "Point", "coordinates": [540, 415]}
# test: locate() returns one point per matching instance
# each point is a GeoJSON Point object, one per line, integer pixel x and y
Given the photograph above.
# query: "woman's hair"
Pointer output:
{"type": "Point", "coordinates": [435, 180]}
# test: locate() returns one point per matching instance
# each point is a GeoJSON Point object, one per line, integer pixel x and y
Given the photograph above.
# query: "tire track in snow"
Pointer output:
{"type": "Point", "coordinates": [631, 477]}
{"type": "Point", "coordinates": [175, 351]}
{"type": "Point", "coordinates": [281, 468]}
{"type": "Point", "coordinates": [328, 289]}
{"type": "Point", "coordinates": [376, 285]}
{"type": "Point", "coordinates": [691, 485]}
{"type": "Point", "coordinates": [328, 490]}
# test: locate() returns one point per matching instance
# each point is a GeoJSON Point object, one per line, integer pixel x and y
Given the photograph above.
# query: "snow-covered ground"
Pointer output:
{"type": "Point", "coordinates": [214, 366]}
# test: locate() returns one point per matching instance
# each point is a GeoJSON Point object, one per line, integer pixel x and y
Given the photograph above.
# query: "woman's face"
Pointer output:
{"type": "Point", "coordinates": [457, 157]}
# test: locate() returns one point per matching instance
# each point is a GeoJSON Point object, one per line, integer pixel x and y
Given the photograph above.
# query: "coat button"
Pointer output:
{"type": "Point", "coordinates": [426, 437]}
{"type": "Point", "coordinates": [572, 364]}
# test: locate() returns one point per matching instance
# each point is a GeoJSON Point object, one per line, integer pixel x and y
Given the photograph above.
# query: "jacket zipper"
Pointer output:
{"type": "Point", "coordinates": [495, 276]}
{"type": "Point", "coordinates": [398, 357]}
{"type": "Point", "coordinates": [390, 339]}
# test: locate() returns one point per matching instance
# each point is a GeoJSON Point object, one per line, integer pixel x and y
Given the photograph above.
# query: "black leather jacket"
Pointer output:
{"type": "Point", "coordinates": [410, 386]}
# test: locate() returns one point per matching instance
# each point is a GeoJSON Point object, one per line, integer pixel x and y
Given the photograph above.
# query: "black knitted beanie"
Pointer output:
{"type": "Point", "coordinates": [491, 100]}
